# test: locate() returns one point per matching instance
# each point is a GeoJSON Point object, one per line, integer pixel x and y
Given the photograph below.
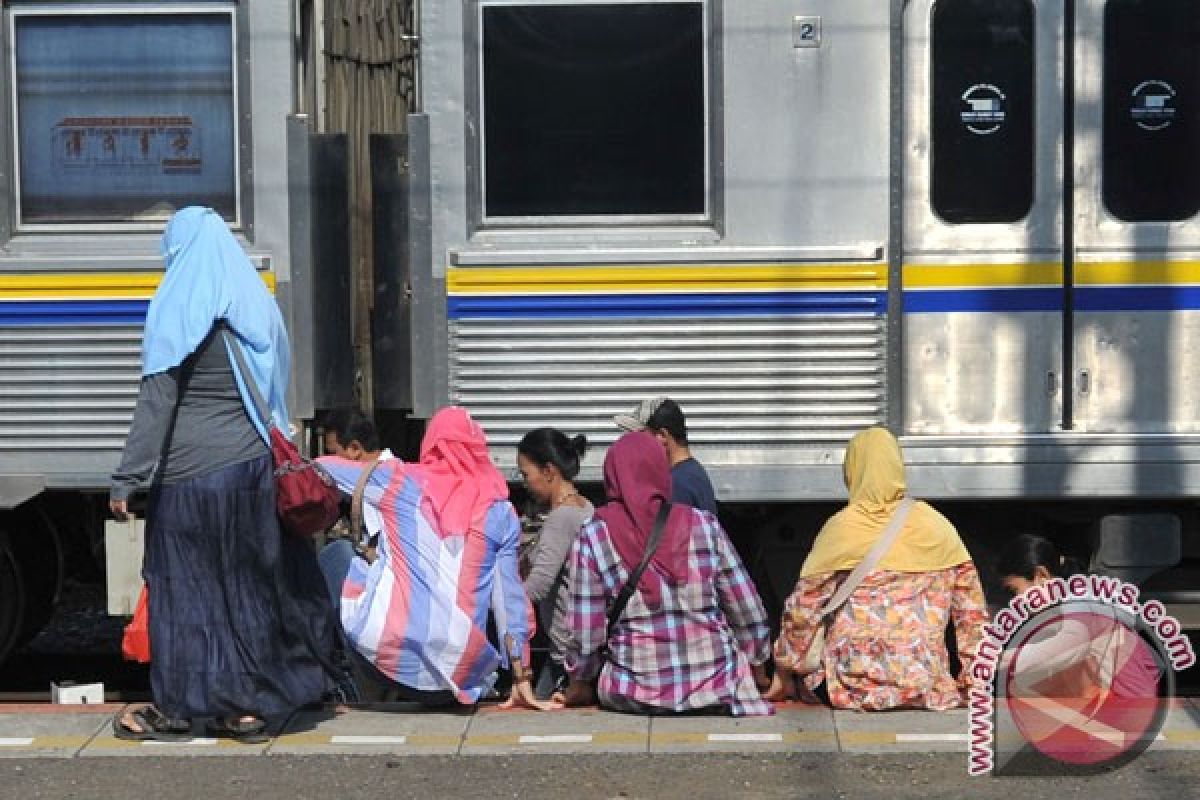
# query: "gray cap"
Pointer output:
{"type": "Point", "coordinates": [641, 415]}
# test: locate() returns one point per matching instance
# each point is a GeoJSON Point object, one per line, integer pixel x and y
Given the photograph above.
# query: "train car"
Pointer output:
{"type": "Point", "coordinates": [972, 221]}
{"type": "Point", "coordinates": [107, 129]}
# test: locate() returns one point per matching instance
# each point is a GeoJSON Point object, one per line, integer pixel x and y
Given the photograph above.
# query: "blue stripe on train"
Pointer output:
{"type": "Point", "coordinates": [1087, 298]}
{"type": "Point", "coordinates": [1137, 298]}
{"type": "Point", "coordinates": [666, 305]}
{"type": "Point", "coordinates": [925, 301]}
{"type": "Point", "coordinates": [28, 313]}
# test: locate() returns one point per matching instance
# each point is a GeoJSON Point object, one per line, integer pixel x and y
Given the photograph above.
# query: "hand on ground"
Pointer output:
{"type": "Point", "coordinates": [522, 697]}
{"type": "Point", "coordinates": [783, 687]}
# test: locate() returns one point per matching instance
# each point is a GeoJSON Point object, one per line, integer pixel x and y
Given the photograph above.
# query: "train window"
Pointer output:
{"type": "Point", "coordinates": [982, 110]}
{"type": "Point", "coordinates": [1151, 148]}
{"type": "Point", "coordinates": [594, 109]}
{"type": "Point", "coordinates": [112, 125]}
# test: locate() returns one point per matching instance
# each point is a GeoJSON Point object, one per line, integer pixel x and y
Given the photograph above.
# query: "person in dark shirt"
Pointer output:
{"type": "Point", "coordinates": [663, 417]}
{"type": "Point", "coordinates": [351, 434]}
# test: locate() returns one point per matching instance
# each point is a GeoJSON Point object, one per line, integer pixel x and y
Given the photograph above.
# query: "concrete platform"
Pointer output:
{"type": "Point", "coordinates": [794, 728]}
{"type": "Point", "coordinates": [901, 731]}
{"type": "Point", "coordinates": [403, 730]}
{"type": "Point", "coordinates": [203, 744]}
{"type": "Point", "coordinates": [57, 734]}
{"type": "Point", "coordinates": [398, 729]}
{"type": "Point", "coordinates": [495, 732]}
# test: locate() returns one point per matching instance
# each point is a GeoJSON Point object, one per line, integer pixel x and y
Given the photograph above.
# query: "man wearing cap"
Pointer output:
{"type": "Point", "coordinates": [663, 417]}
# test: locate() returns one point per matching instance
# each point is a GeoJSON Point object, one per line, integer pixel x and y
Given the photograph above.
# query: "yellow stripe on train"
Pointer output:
{"type": "Point", "coordinates": [89, 285]}
{"type": "Point", "coordinates": [1043, 273]}
{"type": "Point", "coordinates": [982, 276]}
{"type": "Point", "coordinates": [657, 278]}
{"type": "Point", "coordinates": [1137, 273]}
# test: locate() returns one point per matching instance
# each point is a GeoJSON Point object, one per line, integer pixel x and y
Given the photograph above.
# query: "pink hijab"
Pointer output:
{"type": "Point", "coordinates": [460, 481]}
{"type": "Point", "coordinates": [637, 479]}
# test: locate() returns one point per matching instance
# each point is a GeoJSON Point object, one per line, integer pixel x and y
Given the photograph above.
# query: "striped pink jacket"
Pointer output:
{"type": "Point", "coordinates": [419, 613]}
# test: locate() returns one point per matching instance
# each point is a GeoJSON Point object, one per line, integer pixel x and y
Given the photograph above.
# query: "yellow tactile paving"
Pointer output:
{"type": "Point", "coordinates": [57, 735]}
{"type": "Point", "coordinates": [43, 742]}
{"type": "Point", "coordinates": [552, 740]}
{"type": "Point", "coordinates": [316, 739]}
{"type": "Point", "coordinates": [399, 730]}
{"type": "Point", "coordinates": [799, 737]}
{"type": "Point", "coordinates": [109, 745]}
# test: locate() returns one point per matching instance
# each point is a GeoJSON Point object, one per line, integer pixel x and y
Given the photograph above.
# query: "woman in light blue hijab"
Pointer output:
{"type": "Point", "coordinates": [209, 278]}
{"type": "Point", "coordinates": [240, 626]}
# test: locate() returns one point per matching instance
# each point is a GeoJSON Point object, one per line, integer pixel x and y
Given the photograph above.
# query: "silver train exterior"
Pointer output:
{"type": "Point", "coordinates": [972, 222]}
{"type": "Point", "coordinates": [73, 289]}
{"type": "Point", "coordinates": [79, 245]}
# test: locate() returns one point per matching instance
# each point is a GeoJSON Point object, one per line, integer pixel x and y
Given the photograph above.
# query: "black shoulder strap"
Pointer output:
{"type": "Point", "coordinates": [618, 606]}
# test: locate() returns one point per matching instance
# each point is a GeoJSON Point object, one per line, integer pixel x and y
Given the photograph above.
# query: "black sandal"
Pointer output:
{"type": "Point", "coordinates": [246, 731]}
{"type": "Point", "coordinates": [155, 727]}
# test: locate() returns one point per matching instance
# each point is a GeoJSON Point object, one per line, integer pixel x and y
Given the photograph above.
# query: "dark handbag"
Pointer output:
{"type": "Point", "coordinates": [623, 597]}
{"type": "Point", "coordinates": [306, 499]}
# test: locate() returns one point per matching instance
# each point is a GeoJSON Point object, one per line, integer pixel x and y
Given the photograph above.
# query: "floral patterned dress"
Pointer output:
{"type": "Point", "coordinates": [885, 648]}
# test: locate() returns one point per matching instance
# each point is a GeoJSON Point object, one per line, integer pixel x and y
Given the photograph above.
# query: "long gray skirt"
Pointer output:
{"type": "Point", "coordinates": [240, 622]}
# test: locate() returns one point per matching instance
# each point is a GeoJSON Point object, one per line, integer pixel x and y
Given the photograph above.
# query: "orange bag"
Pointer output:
{"type": "Point", "coordinates": [135, 645]}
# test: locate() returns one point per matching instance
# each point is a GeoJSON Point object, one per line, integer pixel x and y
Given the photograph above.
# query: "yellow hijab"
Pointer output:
{"type": "Point", "coordinates": [874, 473]}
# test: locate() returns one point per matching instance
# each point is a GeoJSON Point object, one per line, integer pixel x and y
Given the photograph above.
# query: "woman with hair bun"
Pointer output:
{"type": "Point", "coordinates": [549, 462]}
{"type": "Point", "coordinates": [1031, 560]}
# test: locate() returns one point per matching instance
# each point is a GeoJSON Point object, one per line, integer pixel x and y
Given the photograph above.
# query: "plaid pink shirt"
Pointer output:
{"type": "Point", "coordinates": [692, 653]}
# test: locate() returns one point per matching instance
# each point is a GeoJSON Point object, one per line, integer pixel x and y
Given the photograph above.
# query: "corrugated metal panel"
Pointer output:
{"type": "Point", "coordinates": [744, 383]}
{"type": "Point", "coordinates": [67, 388]}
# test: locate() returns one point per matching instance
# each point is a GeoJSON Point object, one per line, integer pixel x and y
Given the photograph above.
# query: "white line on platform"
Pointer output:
{"type": "Point", "coordinates": [368, 739]}
{"type": "Point", "coordinates": [931, 737]}
{"type": "Point", "coordinates": [16, 741]}
{"type": "Point", "coordinates": [745, 737]}
{"type": "Point", "coordinates": [199, 742]}
{"type": "Point", "coordinates": [557, 738]}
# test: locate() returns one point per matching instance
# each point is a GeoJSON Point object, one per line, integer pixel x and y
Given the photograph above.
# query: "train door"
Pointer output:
{"type": "Point", "coordinates": [983, 272]}
{"type": "Point", "coordinates": [1052, 248]}
{"type": "Point", "coordinates": [1135, 304]}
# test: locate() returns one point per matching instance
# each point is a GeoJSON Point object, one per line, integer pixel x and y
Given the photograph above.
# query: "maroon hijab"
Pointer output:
{"type": "Point", "coordinates": [637, 479]}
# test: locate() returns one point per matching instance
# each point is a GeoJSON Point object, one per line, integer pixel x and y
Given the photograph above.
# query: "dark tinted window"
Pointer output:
{"type": "Point", "coordinates": [594, 109]}
{"type": "Point", "coordinates": [1151, 72]}
{"type": "Point", "coordinates": [982, 114]}
{"type": "Point", "coordinates": [115, 125]}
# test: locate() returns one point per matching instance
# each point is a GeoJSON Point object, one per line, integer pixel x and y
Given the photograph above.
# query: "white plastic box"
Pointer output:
{"type": "Point", "coordinates": [76, 694]}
